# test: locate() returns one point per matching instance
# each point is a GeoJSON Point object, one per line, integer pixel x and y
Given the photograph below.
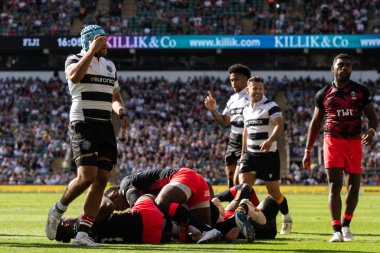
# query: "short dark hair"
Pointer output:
{"type": "Point", "coordinates": [256, 79]}
{"type": "Point", "coordinates": [341, 56]}
{"type": "Point", "coordinates": [239, 69]}
{"type": "Point", "coordinates": [112, 189]}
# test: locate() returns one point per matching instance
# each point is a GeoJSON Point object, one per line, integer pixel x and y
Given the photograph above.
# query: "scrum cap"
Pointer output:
{"type": "Point", "coordinates": [88, 34]}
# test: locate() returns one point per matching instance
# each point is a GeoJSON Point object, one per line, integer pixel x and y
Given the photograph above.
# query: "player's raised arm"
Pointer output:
{"type": "Point", "coordinates": [210, 103]}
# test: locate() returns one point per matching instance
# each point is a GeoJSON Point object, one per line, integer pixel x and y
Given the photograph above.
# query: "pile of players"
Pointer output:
{"type": "Point", "coordinates": [176, 205]}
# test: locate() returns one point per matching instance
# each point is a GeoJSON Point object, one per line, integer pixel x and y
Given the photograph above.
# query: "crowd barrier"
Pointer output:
{"type": "Point", "coordinates": [287, 189]}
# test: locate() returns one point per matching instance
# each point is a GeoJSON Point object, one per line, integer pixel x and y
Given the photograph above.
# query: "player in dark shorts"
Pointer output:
{"type": "Point", "coordinates": [263, 125]}
{"type": "Point", "coordinates": [95, 93]}
{"type": "Point", "coordinates": [342, 104]}
{"type": "Point", "coordinates": [231, 116]}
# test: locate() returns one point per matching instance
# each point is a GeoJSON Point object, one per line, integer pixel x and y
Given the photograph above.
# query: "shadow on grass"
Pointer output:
{"type": "Point", "coordinates": [18, 235]}
{"type": "Point", "coordinates": [217, 247]}
{"type": "Point", "coordinates": [330, 234]}
{"type": "Point", "coordinates": [306, 233]}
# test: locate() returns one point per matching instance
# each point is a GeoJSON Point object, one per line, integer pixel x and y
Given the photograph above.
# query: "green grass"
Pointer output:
{"type": "Point", "coordinates": [22, 219]}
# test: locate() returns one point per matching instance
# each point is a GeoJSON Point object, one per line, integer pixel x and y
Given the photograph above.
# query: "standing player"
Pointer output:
{"type": "Point", "coordinates": [95, 93]}
{"type": "Point", "coordinates": [263, 124]}
{"type": "Point", "coordinates": [232, 115]}
{"type": "Point", "coordinates": [342, 103]}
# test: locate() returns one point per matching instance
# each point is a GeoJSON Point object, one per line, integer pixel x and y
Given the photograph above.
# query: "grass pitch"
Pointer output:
{"type": "Point", "coordinates": [23, 215]}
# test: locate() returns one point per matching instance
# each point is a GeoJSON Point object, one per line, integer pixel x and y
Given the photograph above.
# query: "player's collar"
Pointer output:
{"type": "Point", "coordinates": [83, 52]}
{"type": "Point", "coordinates": [255, 105]}
{"type": "Point", "coordinates": [242, 93]}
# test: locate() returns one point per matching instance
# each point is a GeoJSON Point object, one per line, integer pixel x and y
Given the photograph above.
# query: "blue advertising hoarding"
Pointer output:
{"type": "Point", "coordinates": [243, 42]}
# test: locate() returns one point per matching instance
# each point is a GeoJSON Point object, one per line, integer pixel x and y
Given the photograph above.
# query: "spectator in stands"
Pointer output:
{"type": "Point", "coordinates": [56, 17]}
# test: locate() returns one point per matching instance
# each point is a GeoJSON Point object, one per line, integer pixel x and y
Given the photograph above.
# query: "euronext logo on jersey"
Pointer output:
{"type": "Point", "coordinates": [108, 80]}
{"type": "Point", "coordinates": [311, 41]}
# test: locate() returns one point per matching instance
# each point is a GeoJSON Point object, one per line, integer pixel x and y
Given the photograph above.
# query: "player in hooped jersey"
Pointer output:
{"type": "Point", "coordinates": [263, 124]}
{"type": "Point", "coordinates": [342, 103]}
{"type": "Point", "coordinates": [95, 93]}
{"type": "Point", "coordinates": [231, 115]}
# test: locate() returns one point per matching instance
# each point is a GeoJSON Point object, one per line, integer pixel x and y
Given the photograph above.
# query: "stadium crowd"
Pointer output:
{"type": "Point", "coordinates": [169, 127]}
{"type": "Point", "coordinates": [56, 18]}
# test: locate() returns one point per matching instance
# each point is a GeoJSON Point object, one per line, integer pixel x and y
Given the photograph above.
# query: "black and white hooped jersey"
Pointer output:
{"type": "Point", "coordinates": [234, 109]}
{"type": "Point", "coordinates": [258, 122]}
{"type": "Point", "coordinates": [92, 96]}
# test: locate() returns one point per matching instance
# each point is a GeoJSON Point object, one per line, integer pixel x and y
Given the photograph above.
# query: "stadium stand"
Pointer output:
{"type": "Point", "coordinates": [138, 17]}
{"type": "Point", "coordinates": [169, 127]}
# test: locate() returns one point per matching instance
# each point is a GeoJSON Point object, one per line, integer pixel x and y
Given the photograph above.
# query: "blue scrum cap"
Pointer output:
{"type": "Point", "coordinates": [88, 33]}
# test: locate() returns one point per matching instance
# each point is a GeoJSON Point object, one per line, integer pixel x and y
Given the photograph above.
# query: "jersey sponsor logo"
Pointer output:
{"type": "Point", "coordinates": [344, 112]}
{"type": "Point", "coordinates": [257, 122]}
{"type": "Point", "coordinates": [353, 95]}
{"type": "Point", "coordinates": [96, 79]}
{"type": "Point", "coordinates": [237, 111]}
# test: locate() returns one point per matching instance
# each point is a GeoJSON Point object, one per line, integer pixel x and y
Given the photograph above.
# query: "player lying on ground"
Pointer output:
{"type": "Point", "coordinates": [155, 181]}
{"type": "Point", "coordinates": [144, 223]}
{"type": "Point", "coordinates": [262, 214]}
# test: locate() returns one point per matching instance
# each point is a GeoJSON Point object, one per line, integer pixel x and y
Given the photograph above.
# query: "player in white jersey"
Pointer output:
{"type": "Point", "coordinates": [263, 124]}
{"type": "Point", "coordinates": [232, 115]}
{"type": "Point", "coordinates": [95, 94]}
